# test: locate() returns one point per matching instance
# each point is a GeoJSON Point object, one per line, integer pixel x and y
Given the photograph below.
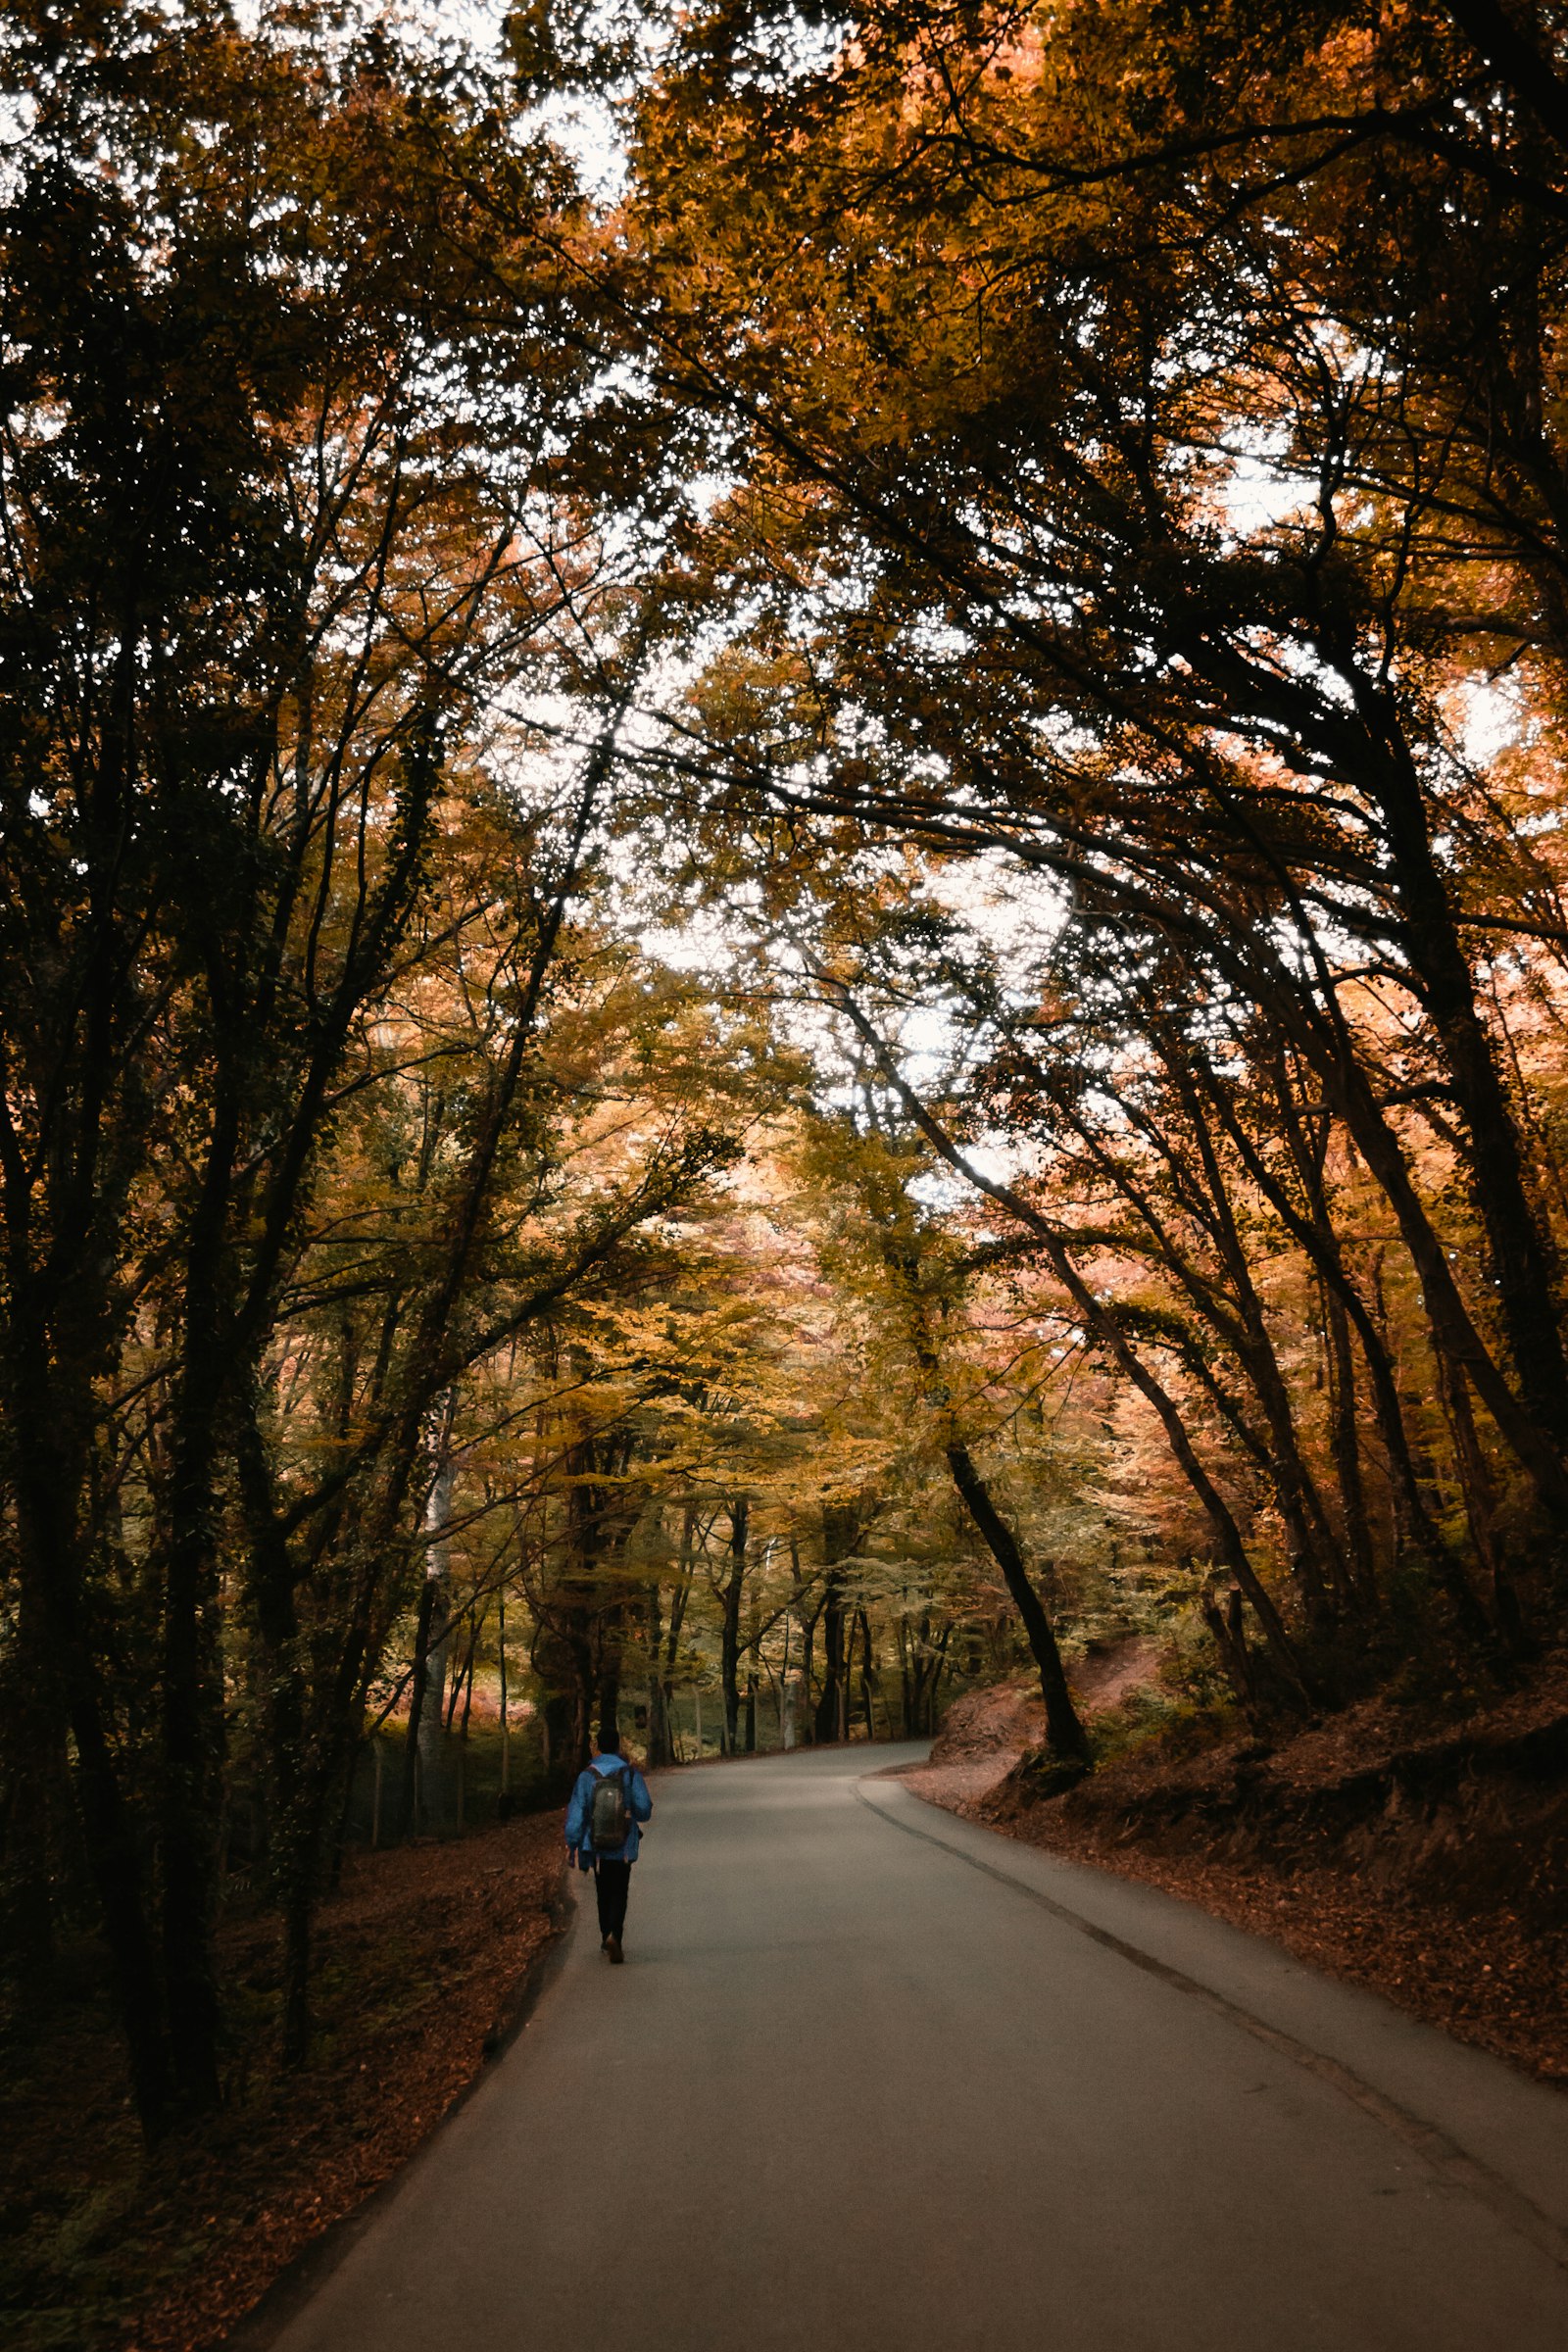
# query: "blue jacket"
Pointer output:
{"type": "Point", "coordinates": [640, 1807]}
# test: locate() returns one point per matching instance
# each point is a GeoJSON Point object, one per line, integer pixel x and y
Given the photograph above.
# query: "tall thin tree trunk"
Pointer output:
{"type": "Point", "coordinates": [1413, 1521]}
{"type": "Point", "coordinates": [1524, 1263]}
{"type": "Point", "coordinates": [841, 1533]}
{"type": "Point", "coordinates": [192, 1748]}
{"type": "Point", "coordinates": [506, 1717]}
{"type": "Point", "coordinates": [731, 1592]}
{"type": "Point", "coordinates": [1481, 1508]}
{"type": "Point", "coordinates": [1344, 1441]}
{"type": "Point", "coordinates": [407, 1778]}
{"type": "Point", "coordinates": [430, 1737]}
{"type": "Point", "coordinates": [867, 1671]}
{"type": "Point", "coordinates": [1064, 1733]}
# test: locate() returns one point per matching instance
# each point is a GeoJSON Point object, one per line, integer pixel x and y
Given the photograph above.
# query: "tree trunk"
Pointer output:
{"type": "Point", "coordinates": [1452, 1327]}
{"type": "Point", "coordinates": [1064, 1731]}
{"type": "Point", "coordinates": [841, 1533]}
{"type": "Point", "coordinates": [661, 1745]}
{"type": "Point", "coordinates": [866, 1672]}
{"type": "Point", "coordinates": [1227, 1535]}
{"type": "Point", "coordinates": [829, 1719]}
{"type": "Point", "coordinates": [431, 1736]}
{"type": "Point", "coordinates": [1098, 1318]}
{"type": "Point", "coordinates": [506, 1717]}
{"type": "Point", "coordinates": [408, 1778]}
{"type": "Point", "coordinates": [928, 1673]}
{"type": "Point", "coordinates": [1344, 1443]}
{"type": "Point", "coordinates": [804, 1726]}
{"type": "Point", "coordinates": [294, 1855]}
{"type": "Point", "coordinates": [607, 1694]}
{"type": "Point", "coordinates": [1316, 1235]}
{"type": "Point", "coordinates": [1481, 1509]}
{"type": "Point", "coordinates": [192, 1747]}
{"type": "Point", "coordinates": [1228, 1626]}
{"type": "Point", "coordinates": [731, 1592]}
{"type": "Point", "coordinates": [31, 1740]}
{"type": "Point", "coordinates": [47, 1486]}
{"type": "Point", "coordinates": [1523, 1262]}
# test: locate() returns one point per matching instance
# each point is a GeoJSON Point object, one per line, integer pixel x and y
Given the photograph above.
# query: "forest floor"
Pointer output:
{"type": "Point", "coordinates": [424, 1957]}
{"type": "Point", "coordinates": [1421, 1850]}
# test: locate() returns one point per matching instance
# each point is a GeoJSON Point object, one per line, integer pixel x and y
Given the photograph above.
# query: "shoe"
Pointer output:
{"type": "Point", "coordinates": [612, 1948]}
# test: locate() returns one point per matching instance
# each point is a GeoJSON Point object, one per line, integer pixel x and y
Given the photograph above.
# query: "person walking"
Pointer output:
{"type": "Point", "coordinates": [608, 1804]}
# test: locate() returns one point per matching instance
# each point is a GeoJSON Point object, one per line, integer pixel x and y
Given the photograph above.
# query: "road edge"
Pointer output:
{"type": "Point", "coordinates": [1453, 2164]}
{"type": "Point", "coordinates": [305, 2272]}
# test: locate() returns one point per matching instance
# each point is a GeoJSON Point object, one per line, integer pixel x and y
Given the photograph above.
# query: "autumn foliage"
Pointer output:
{"type": "Point", "coordinates": [778, 927]}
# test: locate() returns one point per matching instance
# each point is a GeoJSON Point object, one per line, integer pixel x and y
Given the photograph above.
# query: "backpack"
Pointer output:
{"type": "Point", "coordinates": [609, 1811]}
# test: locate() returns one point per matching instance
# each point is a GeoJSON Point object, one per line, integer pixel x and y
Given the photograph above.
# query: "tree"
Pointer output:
{"type": "Point", "coordinates": [918, 1284]}
{"type": "Point", "coordinates": [989, 363]}
{"type": "Point", "coordinates": [257, 569]}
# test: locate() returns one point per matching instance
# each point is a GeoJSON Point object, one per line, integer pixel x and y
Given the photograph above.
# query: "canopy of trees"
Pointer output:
{"type": "Point", "coordinates": [782, 911]}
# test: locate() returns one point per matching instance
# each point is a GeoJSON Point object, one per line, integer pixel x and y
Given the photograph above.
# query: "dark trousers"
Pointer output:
{"type": "Point", "coordinates": [612, 1884]}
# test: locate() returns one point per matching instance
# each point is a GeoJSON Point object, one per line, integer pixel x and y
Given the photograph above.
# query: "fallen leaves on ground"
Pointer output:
{"type": "Point", "coordinates": [423, 1956]}
{"type": "Point", "coordinates": [1486, 1980]}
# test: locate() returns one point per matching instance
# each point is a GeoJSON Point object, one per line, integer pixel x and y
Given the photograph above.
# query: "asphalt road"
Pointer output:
{"type": "Point", "coordinates": [876, 2080]}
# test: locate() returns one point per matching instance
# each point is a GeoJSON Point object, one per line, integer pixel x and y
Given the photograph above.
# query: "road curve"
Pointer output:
{"type": "Point", "coordinates": [876, 2080]}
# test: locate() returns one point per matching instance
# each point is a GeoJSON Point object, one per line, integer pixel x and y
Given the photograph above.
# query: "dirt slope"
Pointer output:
{"type": "Point", "coordinates": [986, 1733]}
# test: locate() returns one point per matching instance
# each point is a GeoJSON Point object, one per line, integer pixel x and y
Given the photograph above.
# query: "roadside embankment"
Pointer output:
{"type": "Point", "coordinates": [1420, 1852]}
{"type": "Point", "coordinates": [986, 1733]}
{"type": "Point", "coordinates": [423, 1955]}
